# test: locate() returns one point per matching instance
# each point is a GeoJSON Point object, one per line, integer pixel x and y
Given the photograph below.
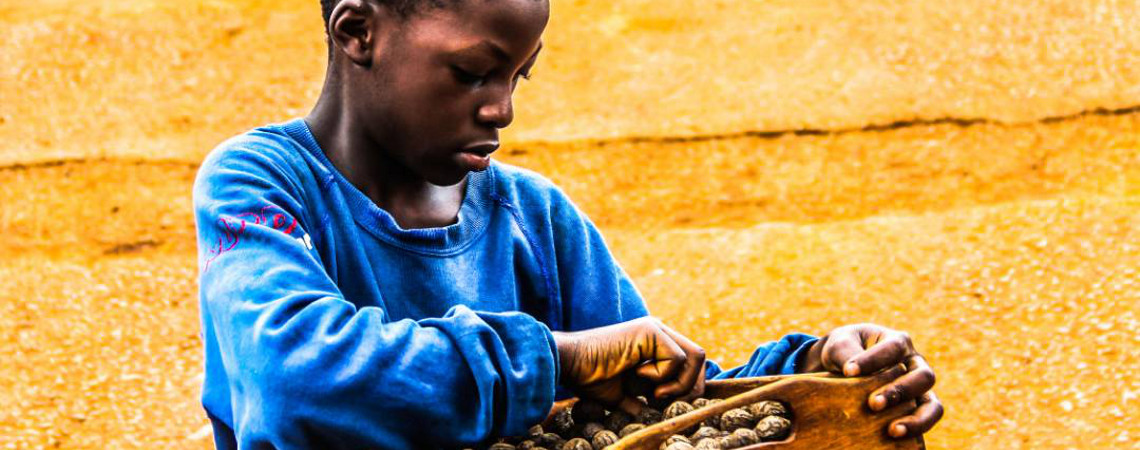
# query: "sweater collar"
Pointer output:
{"type": "Point", "coordinates": [474, 212]}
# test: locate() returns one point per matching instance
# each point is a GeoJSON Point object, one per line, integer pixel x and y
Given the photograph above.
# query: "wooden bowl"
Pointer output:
{"type": "Point", "coordinates": [827, 412]}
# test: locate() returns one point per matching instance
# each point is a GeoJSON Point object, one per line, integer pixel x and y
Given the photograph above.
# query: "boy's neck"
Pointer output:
{"type": "Point", "coordinates": [412, 201]}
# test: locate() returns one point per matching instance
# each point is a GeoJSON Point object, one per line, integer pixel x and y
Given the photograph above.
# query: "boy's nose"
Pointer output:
{"type": "Point", "coordinates": [498, 112]}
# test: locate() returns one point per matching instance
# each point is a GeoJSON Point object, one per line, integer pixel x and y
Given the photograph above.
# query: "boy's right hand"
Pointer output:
{"type": "Point", "coordinates": [597, 363]}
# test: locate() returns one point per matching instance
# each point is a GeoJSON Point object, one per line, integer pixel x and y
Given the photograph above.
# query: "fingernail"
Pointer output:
{"type": "Point", "coordinates": [898, 431]}
{"type": "Point", "coordinates": [878, 402]}
{"type": "Point", "coordinates": [851, 369]}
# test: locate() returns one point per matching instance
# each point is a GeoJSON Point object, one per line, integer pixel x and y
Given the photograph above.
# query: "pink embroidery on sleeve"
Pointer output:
{"type": "Point", "coordinates": [231, 237]}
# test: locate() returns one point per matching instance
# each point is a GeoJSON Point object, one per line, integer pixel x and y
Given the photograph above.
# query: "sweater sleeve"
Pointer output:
{"type": "Point", "coordinates": [307, 368]}
{"type": "Point", "coordinates": [771, 358]}
{"type": "Point", "coordinates": [594, 289]}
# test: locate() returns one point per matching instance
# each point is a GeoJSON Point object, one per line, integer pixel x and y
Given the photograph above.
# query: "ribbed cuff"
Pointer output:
{"type": "Point", "coordinates": [799, 352]}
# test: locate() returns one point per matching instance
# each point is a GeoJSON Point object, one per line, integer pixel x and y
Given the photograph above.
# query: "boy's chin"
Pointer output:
{"type": "Point", "coordinates": [458, 167]}
{"type": "Point", "coordinates": [452, 177]}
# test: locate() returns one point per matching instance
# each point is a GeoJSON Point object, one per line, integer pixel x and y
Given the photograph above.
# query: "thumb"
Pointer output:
{"type": "Point", "coordinates": [666, 358]}
{"type": "Point", "coordinates": [657, 371]}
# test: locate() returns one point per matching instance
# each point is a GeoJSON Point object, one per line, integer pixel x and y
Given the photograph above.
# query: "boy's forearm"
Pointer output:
{"type": "Point", "coordinates": [564, 345]}
{"type": "Point", "coordinates": [811, 360]}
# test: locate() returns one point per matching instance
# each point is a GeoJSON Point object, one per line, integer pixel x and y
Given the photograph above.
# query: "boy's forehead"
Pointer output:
{"type": "Point", "coordinates": [505, 29]}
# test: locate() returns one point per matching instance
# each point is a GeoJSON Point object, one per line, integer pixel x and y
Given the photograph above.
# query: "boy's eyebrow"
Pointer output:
{"type": "Point", "coordinates": [499, 53]}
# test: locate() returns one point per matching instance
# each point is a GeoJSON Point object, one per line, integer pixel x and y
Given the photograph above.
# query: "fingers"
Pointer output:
{"type": "Point", "coordinates": [698, 387]}
{"type": "Point", "coordinates": [842, 345]}
{"type": "Point", "coordinates": [893, 349]}
{"type": "Point", "coordinates": [928, 413]}
{"type": "Point", "coordinates": [597, 363]}
{"type": "Point", "coordinates": [692, 370]}
{"type": "Point", "coordinates": [659, 371]}
{"type": "Point", "coordinates": [844, 348]}
{"type": "Point", "coordinates": [663, 357]}
{"type": "Point", "coordinates": [918, 380]}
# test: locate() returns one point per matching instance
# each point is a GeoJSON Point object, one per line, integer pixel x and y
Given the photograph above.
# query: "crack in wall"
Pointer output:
{"type": "Point", "coordinates": [760, 134]}
{"type": "Point", "coordinates": [875, 128]}
{"type": "Point", "coordinates": [14, 167]}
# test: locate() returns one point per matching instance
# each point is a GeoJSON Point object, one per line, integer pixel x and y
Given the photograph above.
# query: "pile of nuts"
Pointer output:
{"type": "Point", "coordinates": [588, 426]}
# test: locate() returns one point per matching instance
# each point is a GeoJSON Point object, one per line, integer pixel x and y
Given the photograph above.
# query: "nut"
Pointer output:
{"type": "Point", "coordinates": [591, 429]}
{"type": "Point", "coordinates": [563, 422]}
{"type": "Point", "coordinates": [678, 408]}
{"type": "Point", "coordinates": [736, 418]}
{"type": "Point", "coordinates": [767, 408]}
{"type": "Point", "coordinates": [617, 420]}
{"type": "Point", "coordinates": [704, 433]}
{"type": "Point", "coordinates": [747, 436]}
{"type": "Point", "coordinates": [577, 444]}
{"type": "Point", "coordinates": [534, 431]}
{"type": "Point", "coordinates": [604, 438]}
{"type": "Point", "coordinates": [675, 439]}
{"type": "Point", "coordinates": [708, 444]}
{"type": "Point", "coordinates": [731, 441]}
{"type": "Point", "coordinates": [630, 429]}
{"type": "Point", "coordinates": [773, 428]}
{"type": "Point", "coordinates": [549, 440]}
{"type": "Point", "coordinates": [649, 416]}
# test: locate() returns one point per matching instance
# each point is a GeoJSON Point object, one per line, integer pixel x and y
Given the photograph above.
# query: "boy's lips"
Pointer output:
{"type": "Point", "coordinates": [482, 148]}
{"type": "Point", "coordinates": [477, 156]}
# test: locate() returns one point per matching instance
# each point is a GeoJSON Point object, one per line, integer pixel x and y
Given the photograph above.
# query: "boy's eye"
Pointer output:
{"type": "Point", "coordinates": [524, 75]}
{"type": "Point", "coordinates": [466, 77]}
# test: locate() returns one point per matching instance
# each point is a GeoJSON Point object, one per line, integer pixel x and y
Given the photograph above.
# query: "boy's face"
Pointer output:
{"type": "Point", "coordinates": [440, 83]}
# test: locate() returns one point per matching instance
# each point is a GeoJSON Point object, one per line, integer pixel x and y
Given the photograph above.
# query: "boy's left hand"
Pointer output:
{"type": "Point", "coordinates": [864, 349]}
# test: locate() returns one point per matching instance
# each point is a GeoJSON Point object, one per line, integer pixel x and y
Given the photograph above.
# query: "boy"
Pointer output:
{"type": "Point", "coordinates": [369, 278]}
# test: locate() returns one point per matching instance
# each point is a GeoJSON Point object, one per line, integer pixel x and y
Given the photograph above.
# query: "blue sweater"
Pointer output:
{"type": "Point", "coordinates": [326, 325]}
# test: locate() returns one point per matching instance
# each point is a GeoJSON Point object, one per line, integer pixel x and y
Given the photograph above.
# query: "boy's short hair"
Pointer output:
{"type": "Point", "coordinates": [402, 7]}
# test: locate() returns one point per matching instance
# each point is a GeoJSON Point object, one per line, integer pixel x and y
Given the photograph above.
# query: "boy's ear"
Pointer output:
{"type": "Point", "coordinates": [352, 29]}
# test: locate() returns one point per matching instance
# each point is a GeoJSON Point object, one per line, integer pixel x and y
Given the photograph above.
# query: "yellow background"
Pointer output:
{"type": "Point", "coordinates": [971, 175]}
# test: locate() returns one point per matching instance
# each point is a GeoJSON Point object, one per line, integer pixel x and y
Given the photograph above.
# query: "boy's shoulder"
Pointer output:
{"type": "Point", "coordinates": [514, 183]}
{"type": "Point", "coordinates": [534, 195]}
{"type": "Point", "coordinates": [267, 147]}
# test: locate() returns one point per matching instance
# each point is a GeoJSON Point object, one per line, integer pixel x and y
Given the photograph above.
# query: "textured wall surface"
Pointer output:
{"type": "Point", "coordinates": [968, 172]}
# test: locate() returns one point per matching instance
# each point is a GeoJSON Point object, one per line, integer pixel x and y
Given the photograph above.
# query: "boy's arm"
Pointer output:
{"type": "Point", "coordinates": [594, 289]}
{"type": "Point", "coordinates": [306, 367]}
